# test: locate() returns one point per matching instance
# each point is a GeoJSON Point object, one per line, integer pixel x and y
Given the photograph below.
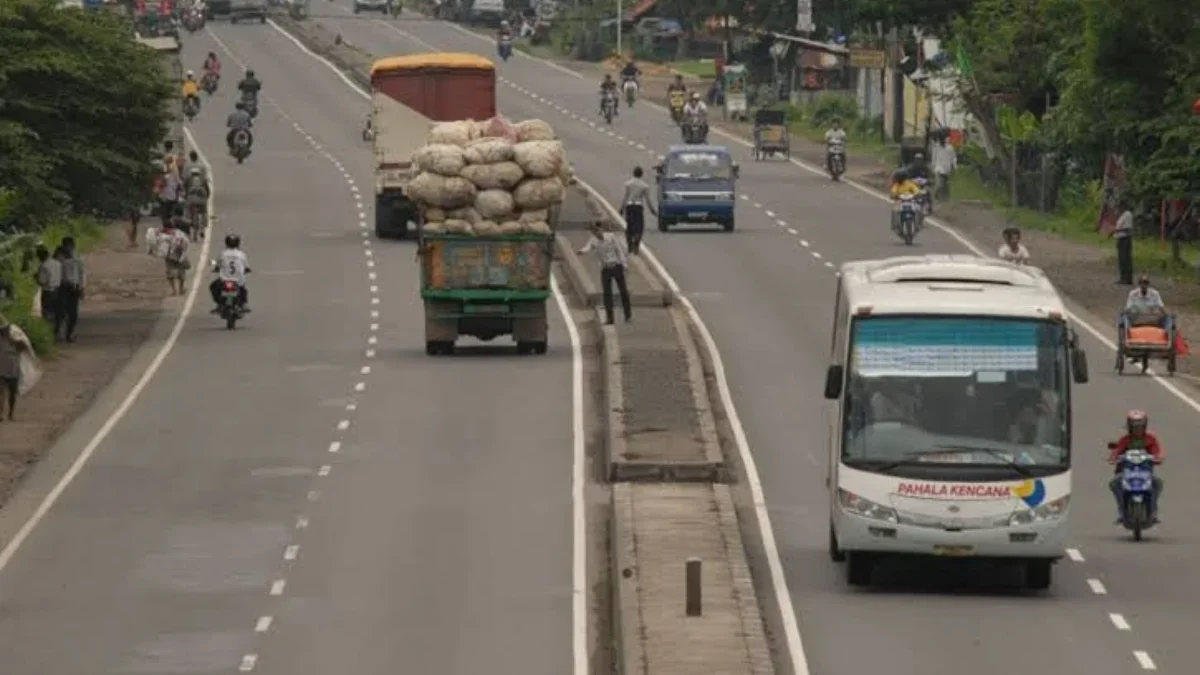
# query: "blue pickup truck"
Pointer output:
{"type": "Point", "coordinates": [696, 184]}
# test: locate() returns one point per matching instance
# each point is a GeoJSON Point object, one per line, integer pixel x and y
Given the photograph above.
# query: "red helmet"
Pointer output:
{"type": "Point", "coordinates": [1136, 421]}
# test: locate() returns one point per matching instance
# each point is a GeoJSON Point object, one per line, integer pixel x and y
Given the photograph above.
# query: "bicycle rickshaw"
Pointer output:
{"type": "Point", "coordinates": [1142, 337]}
{"type": "Point", "coordinates": [771, 135]}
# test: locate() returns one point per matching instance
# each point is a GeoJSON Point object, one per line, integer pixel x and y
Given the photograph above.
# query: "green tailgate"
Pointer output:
{"type": "Point", "coordinates": [498, 268]}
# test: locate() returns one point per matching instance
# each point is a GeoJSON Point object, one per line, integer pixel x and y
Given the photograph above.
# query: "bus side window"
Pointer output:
{"type": "Point", "coordinates": [838, 336]}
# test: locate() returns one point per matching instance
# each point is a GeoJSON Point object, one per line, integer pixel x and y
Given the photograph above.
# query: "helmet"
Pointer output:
{"type": "Point", "coordinates": [249, 73]}
{"type": "Point", "coordinates": [695, 96]}
{"type": "Point", "coordinates": [1136, 421]}
{"type": "Point", "coordinates": [239, 105]}
{"type": "Point", "coordinates": [900, 176]}
{"type": "Point", "coordinates": [232, 241]}
{"type": "Point", "coordinates": [212, 55]}
{"type": "Point", "coordinates": [191, 74]}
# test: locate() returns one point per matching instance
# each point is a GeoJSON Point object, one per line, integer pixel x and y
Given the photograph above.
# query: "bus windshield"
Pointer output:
{"type": "Point", "coordinates": [937, 391]}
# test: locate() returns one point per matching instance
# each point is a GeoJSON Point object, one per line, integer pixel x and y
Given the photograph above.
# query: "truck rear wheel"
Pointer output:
{"type": "Point", "coordinates": [439, 347]}
{"type": "Point", "coordinates": [533, 347]}
{"type": "Point", "coordinates": [383, 216]}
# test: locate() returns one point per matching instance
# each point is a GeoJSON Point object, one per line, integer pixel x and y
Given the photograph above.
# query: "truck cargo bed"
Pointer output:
{"type": "Point", "coordinates": [500, 267]}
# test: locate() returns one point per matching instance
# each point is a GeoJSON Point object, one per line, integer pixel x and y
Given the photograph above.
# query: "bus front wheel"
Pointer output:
{"type": "Point", "coordinates": [859, 567]}
{"type": "Point", "coordinates": [835, 554]}
{"type": "Point", "coordinates": [1038, 574]}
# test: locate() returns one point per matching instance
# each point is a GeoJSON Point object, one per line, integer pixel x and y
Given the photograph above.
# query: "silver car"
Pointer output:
{"type": "Point", "coordinates": [384, 6]}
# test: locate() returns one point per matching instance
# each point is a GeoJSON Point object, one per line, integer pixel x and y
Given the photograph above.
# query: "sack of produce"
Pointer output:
{"type": "Point", "coordinates": [494, 204]}
{"type": "Point", "coordinates": [435, 227]}
{"type": "Point", "coordinates": [500, 127]}
{"type": "Point", "coordinates": [458, 227]}
{"type": "Point", "coordinates": [566, 173]}
{"type": "Point", "coordinates": [486, 227]}
{"type": "Point", "coordinates": [488, 151]}
{"type": "Point", "coordinates": [535, 216]}
{"type": "Point", "coordinates": [537, 228]}
{"type": "Point", "coordinates": [540, 159]}
{"type": "Point", "coordinates": [534, 130]}
{"type": "Point", "coordinates": [499, 176]}
{"type": "Point", "coordinates": [434, 215]}
{"type": "Point", "coordinates": [467, 213]}
{"type": "Point", "coordinates": [511, 227]}
{"type": "Point", "coordinates": [446, 192]}
{"type": "Point", "coordinates": [538, 193]}
{"type": "Point", "coordinates": [451, 133]}
{"type": "Point", "coordinates": [440, 158]}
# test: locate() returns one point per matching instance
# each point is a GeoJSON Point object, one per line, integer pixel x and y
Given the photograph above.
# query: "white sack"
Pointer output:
{"type": "Point", "coordinates": [494, 204]}
{"type": "Point", "coordinates": [511, 227]}
{"type": "Point", "coordinates": [538, 193]}
{"type": "Point", "coordinates": [539, 159]}
{"type": "Point", "coordinates": [488, 151]}
{"type": "Point", "coordinates": [436, 227]}
{"type": "Point", "coordinates": [537, 228]}
{"type": "Point", "coordinates": [451, 133]}
{"type": "Point", "coordinates": [500, 176]}
{"type": "Point", "coordinates": [535, 216]}
{"type": "Point", "coordinates": [434, 215]}
{"type": "Point", "coordinates": [446, 192]}
{"type": "Point", "coordinates": [443, 159]}
{"type": "Point", "coordinates": [534, 130]}
{"type": "Point", "coordinates": [459, 227]}
{"type": "Point", "coordinates": [486, 227]}
{"type": "Point", "coordinates": [466, 213]}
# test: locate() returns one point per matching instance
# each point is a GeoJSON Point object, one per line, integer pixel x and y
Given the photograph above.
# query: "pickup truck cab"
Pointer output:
{"type": "Point", "coordinates": [253, 10]}
{"type": "Point", "coordinates": [696, 184]}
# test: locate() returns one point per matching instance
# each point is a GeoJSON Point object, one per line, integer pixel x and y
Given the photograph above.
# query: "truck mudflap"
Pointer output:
{"type": "Point", "coordinates": [486, 319]}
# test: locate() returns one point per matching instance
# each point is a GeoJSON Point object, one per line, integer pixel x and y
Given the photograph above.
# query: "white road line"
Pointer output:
{"type": "Point", "coordinates": [1097, 587]}
{"type": "Point", "coordinates": [302, 523]}
{"type": "Point", "coordinates": [351, 407]}
{"type": "Point", "coordinates": [579, 586]}
{"type": "Point", "coordinates": [291, 552]}
{"type": "Point", "coordinates": [804, 243]}
{"type": "Point", "coordinates": [770, 214]}
{"type": "Point", "coordinates": [1074, 555]}
{"type": "Point", "coordinates": [1119, 622]}
{"type": "Point", "coordinates": [263, 624]}
{"type": "Point", "coordinates": [362, 386]}
{"type": "Point", "coordinates": [314, 495]}
{"type": "Point", "coordinates": [277, 586]}
{"type": "Point", "coordinates": [370, 353]}
{"type": "Point", "coordinates": [366, 370]}
{"type": "Point", "coordinates": [1144, 660]}
{"type": "Point", "coordinates": [248, 663]}
{"type": "Point", "coordinates": [343, 425]}
{"type": "Point", "coordinates": [335, 446]}
{"type": "Point", "coordinates": [791, 627]}
{"type": "Point", "coordinates": [372, 340]}
{"type": "Point", "coordinates": [10, 549]}
{"type": "Point", "coordinates": [324, 470]}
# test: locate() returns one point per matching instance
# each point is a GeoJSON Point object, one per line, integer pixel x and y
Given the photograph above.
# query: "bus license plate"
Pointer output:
{"type": "Point", "coordinates": [956, 551]}
{"type": "Point", "coordinates": [696, 215]}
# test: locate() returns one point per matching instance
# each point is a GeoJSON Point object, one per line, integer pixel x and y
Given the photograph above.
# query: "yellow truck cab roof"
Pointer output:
{"type": "Point", "coordinates": [451, 60]}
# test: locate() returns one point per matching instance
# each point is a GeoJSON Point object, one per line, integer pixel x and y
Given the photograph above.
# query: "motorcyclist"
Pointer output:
{"type": "Point", "coordinates": [695, 112]}
{"type": "Point", "coordinates": [835, 136]}
{"type": "Point", "coordinates": [212, 64]}
{"type": "Point", "coordinates": [630, 71]}
{"type": "Point", "coordinates": [608, 88]}
{"type": "Point", "coordinates": [239, 119]}
{"type": "Point", "coordinates": [1137, 437]}
{"type": "Point", "coordinates": [902, 185]}
{"type": "Point", "coordinates": [919, 168]}
{"type": "Point", "coordinates": [504, 32]}
{"type": "Point", "coordinates": [231, 266]}
{"type": "Point", "coordinates": [191, 89]}
{"type": "Point", "coordinates": [250, 86]}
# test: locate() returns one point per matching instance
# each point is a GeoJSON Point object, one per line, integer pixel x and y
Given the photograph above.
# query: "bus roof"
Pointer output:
{"type": "Point", "coordinates": [949, 284]}
{"type": "Point", "coordinates": [451, 60]}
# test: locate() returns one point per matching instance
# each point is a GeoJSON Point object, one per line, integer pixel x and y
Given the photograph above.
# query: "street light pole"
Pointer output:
{"type": "Point", "coordinates": [620, 26]}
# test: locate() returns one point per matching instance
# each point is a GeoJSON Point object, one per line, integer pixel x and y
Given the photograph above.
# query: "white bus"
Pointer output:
{"type": "Point", "coordinates": [952, 433]}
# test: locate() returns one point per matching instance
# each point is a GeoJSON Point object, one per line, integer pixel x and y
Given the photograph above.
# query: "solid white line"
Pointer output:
{"type": "Point", "coordinates": [579, 586]}
{"type": "Point", "coordinates": [783, 599]}
{"type": "Point", "coordinates": [1097, 587]}
{"type": "Point", "coordinates": [263, 624]}
{"type": "Point", "coordinates": [1144, 660]}
{"type": "Point", "coordinates": [1119, 622]}
{"type": "Point", "coordinates": [1074, 555]}
{"type": "Point", "coordinates": [52, 497]}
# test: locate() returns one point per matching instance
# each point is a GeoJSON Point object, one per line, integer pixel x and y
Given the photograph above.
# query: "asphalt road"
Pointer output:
{"type": "Point", "coordinates": [214, 530]}
{"type": "Point", "coordinates": [766, 293]}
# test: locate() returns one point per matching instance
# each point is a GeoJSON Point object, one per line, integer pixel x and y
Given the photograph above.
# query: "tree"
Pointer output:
{"type": "Point", "coordinates": [84, 107]}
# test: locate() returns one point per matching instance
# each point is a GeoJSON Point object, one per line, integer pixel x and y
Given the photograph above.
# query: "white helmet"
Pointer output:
{"type": "Point", "coordinates": [191, 74]}
{"type": "Point", "coordinates": [195, 171]}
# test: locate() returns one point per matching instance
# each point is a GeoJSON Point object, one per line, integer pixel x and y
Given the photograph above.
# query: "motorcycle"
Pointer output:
{"type": "Point", "coordinates": [240, 149]}
{"type": "Point", "coordinates": [695, 131]}
{"type": "Point", "coordinates": [193, 21]}
{"type": "Point", "coordinates": [906, 222]}
{"type": "Point", "coordinates": [505, 48]}
{"type": "Point", "coordinates": [191, 107]}
{"type": "Point", "coordinates": [1136, 473]}
{"type": "Point", "coordinates": [228, 308]}
{"type": "Point", "coordinates": [368, 132]}
{"type": "Point", "coordinates": [924, 197]}
{"type": "Point", "coordinates": [608, 106]}
{"type": "Point", "coordinates": [676, 101]}
{"type": "Point", "coordinates": [209, 82]}
{"type": "Point", "coordinates": [837, 160]}
{"type": "Point", "coordinates": [251, 103]}
{"type": "Point", "coordinates": [630, 87]}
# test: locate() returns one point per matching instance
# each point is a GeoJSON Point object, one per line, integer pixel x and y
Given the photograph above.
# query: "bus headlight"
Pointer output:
{"type": "Point", "coordinates": [852, 503]}
{"type": "Point", "coordinates": [1052, 510]}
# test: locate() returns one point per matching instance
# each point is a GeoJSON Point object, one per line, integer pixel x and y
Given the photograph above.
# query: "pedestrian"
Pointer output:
{"type": "Point", "coordinates": [1123, 234]}
{"type": "Point", "coordinates": [1013, 250]}
{"type": "Point", "coordinates": [49, 279]}
{"type": "Point", "coordinates": [11, 348]}
{"type": "Point", "coordinates": [173, 246]}
{"type": "Point", "coordinates": [613, 258]}
{"type": "Point", "coordinates": [74, 282]}
{"type": "Point", "coordinates": [633, 207]}
{"type": "Point", "coordinates": [945, 160]}
{"type": "Point", "coordinates": [170, 195]}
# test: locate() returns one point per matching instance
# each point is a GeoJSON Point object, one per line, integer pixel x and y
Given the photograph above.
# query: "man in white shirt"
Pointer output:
{"type": "Point", "coordinates": [1145, 307]}
{"type": "Point", "coordinates": [1123, 233]}
{"type": "Point", "coordinates": [231, 266]}
{"type": "Point", "coordinates": [944, 162]}
{"type": "Point", "coordinates": [835, 137]}
{"type": "Point", "coordinates": [1013, 250]}
{"type": "Point", "coordinates": [613, 258]}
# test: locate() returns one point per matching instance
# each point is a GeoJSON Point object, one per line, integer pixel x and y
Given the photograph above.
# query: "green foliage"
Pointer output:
{"type": "Point", "coordinates": [83, 108]}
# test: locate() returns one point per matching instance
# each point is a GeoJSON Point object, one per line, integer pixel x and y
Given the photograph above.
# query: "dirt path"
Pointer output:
{"type": "Point", "coordinates": [126, 289]}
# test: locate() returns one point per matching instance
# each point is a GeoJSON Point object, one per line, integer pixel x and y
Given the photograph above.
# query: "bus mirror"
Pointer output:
{"type": "Point", "coordinates": [1079, 366]}
{"type": "Point", "coordinates": [833, 382]}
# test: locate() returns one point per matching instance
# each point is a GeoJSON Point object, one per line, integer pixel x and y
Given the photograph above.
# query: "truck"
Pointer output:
{"type": "Point", "coordinates": [407, 92]}
{"type": "Point", "coordinates": [483, 286]}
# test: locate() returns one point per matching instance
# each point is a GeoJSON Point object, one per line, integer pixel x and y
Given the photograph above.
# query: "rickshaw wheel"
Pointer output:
{"type": "Point", "coordinates": [1120, 360]}
{"type": "Point", "coordinates": [1145, 363]}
